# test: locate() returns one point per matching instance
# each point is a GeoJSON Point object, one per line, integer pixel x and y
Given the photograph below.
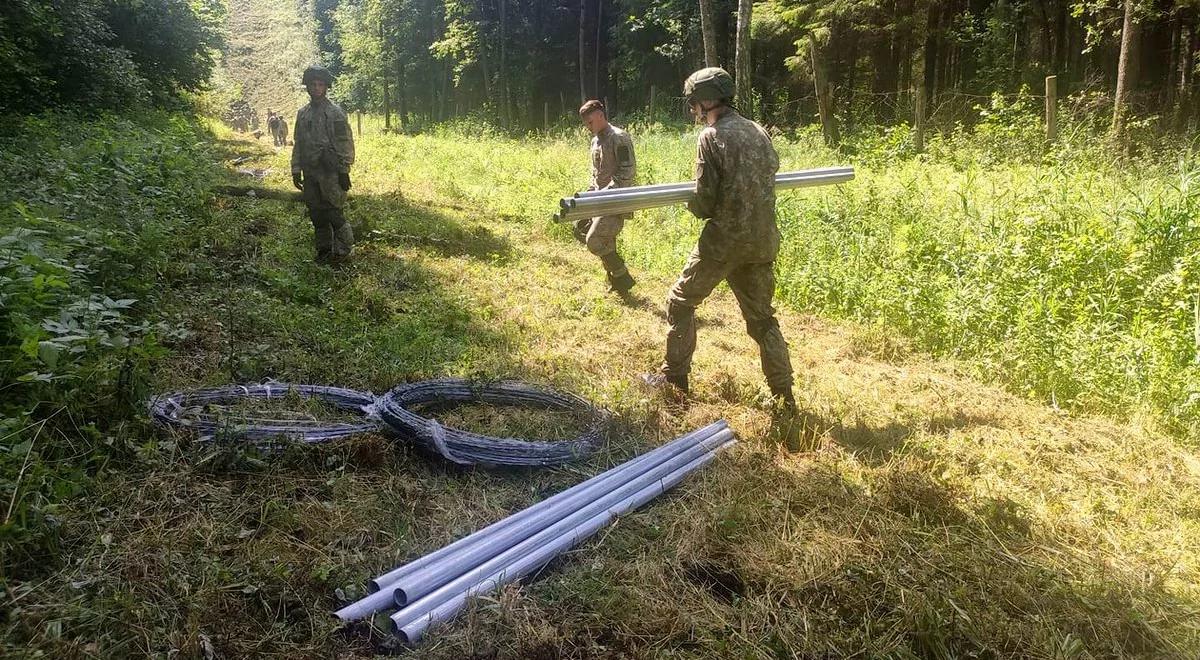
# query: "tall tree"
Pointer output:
{"type": "Point", "coordinates": [1126, 69]}
{"type": "Point", "coordinates": [583, 96]}
{"type": "Point", "coordinates": [742, 57]}
{"type": "Point", "coordinates": [708, 28]}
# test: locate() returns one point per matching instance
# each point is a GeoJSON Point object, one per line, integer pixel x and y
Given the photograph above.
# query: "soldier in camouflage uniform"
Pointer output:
{"type": "Point", "coordinates": [613, 166]}
{"type": "Point", "coordinates": [735, 192]}
{"type": "Point", "coordinates": [321, 158]}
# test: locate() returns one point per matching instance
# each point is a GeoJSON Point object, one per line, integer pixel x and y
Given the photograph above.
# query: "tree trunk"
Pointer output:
{"type": "Point", "coordinates": [506, 109]}
{"type": "Point", "coordinates": [582, 51]}
{"type": "Point", "coordinates": [708, 29]}
{"type": "Point", "coordinates": [741, 60]}
{"type": "Point", "coordinates": [599, 37]}
{"type": "Point", "coordinates": [1126, 70]}
{"type": "Point", "coordinates": [824, 97]}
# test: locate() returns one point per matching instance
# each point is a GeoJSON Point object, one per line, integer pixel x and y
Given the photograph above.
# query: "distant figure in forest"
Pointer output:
{"type": "Point", "coordinates": [735, 194]}
{"type": "Point", "coordinates": [283, 131]}
{"type": "Point", "coordinates": [273, 127]}
{"type": "Point", "coordinates": [613, 166]}
{"type": "Point", "coordinates": [321, 158]}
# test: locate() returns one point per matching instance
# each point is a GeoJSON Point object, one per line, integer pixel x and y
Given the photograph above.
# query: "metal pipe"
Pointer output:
{"type": "Point", "coordinates": [420, 582]}
{"type": "Point", "coordinates": [689, 185]}
{"type": "Point", "coordinates": [412, 626]}
{"type": "Point", "coordinates": [374, 602]}
{"type": "Point", "coordinates": [654, 201]}
{"type": "Point", "coordinates": [632, 194]}
{"type": "Point", "coordinates": [416, 607]}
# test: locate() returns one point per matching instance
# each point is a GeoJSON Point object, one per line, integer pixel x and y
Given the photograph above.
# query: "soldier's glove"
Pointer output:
{"type": "Point", "coordinates": [298, 181]}
{"type": "Point", "coordinates": [344, 180]}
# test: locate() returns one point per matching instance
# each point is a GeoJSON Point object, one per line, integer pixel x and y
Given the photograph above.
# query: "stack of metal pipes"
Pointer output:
{"type": "Point", "coordinates": [432, 589]}
{"type": "Point", "coordinates": [616, 201]}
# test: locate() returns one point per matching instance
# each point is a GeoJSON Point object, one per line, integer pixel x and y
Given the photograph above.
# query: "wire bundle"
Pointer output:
{"type": "Point", "coordinates": [208, 412]}
{"type": "Point", "coordinates": [467, 448]}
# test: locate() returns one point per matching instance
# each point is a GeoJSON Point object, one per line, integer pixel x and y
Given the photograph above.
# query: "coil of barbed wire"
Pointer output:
{"type": "Point", "coordinates": [209, 412]}
{"type": "Point", "coordinates": [466, 448]}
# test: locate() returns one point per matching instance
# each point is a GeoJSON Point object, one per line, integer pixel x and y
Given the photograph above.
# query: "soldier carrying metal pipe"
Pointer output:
{"type": "Point", "coordinates": [614, 165]}
{"type": "Point", "coordinates": [735, 192]}
{"type": "Point", "coordinates": [322, 154]}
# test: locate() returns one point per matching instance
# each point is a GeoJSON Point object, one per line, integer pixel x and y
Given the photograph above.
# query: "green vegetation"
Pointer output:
{"type": "Point", "coordinates": [930, 516]}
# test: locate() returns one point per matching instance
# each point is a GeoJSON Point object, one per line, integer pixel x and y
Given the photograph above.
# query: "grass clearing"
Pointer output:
{"type": "Point", "coordinates": [934, 516]}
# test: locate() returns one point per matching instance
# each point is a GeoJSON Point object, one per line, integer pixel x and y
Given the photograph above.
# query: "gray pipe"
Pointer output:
{"type": "Point", "coordinates": [421, 582]}
{"type": "Point", "coordinates": [612, 205]}
{"type": "Point", "coordinates": [416, 607]}
{"type": "Point", "coordinates": [382, 599]}
{"type": "Point", "coordinates": [412, 625]}
{"type": "Point", "coordinates": [684, 193]}
{"type": "Point", "coordinates": [600, 195]}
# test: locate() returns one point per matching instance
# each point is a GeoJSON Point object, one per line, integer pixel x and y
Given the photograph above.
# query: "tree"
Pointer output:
{"type": "Point", "coordinates": [709, 28]}
{"type": "Point", "coordinates": [1126, 69]}
{"type": "Point", "coordinates": [742, 59]}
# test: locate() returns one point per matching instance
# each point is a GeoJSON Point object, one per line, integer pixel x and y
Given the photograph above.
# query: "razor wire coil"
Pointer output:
{"type": "Point", "coordinates": [206, 412]}
{"type": "Point", "coordinates": [466, 448]}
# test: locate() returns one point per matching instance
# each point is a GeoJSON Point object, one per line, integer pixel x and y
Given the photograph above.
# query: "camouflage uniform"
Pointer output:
{"type": "Point", "coordinates": [324, 148]}
{"type": "Point", "coordinates": [613, 166]}
{"type": "Point", "coordinates": [735, 190]}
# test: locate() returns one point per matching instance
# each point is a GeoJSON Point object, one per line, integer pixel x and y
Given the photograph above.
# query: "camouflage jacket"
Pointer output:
{"type": "Point", "coordinates": [323, 139]}
{"type": "Point", "coordinates": [323, 147]}
{"type": "Point", "coordinates": [613, 162]}
{"type": "Point", "coordinates": [735, 191]}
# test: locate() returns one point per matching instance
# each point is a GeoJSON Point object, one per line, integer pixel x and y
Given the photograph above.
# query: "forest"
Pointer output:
{"type": "Point", "coordinates": [994, 328]}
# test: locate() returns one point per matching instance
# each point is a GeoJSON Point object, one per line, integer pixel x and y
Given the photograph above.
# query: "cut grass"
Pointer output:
{"type": "Point", "coordinates": [935, 516]}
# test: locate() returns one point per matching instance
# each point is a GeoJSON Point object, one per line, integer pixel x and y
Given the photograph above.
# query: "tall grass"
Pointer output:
{"type": "Point", "coordinates": [1064, 271]}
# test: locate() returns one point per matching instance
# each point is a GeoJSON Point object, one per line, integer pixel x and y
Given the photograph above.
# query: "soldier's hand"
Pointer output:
{"type": "Point", "coordinates": [298, 181]}
{"type": "Point", "coordinates": [344, 180]}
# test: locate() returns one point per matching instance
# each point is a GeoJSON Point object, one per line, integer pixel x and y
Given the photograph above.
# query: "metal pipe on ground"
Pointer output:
{"type": "Point", "coordinates": [416, 607]}
{"type": "Point", "coordinates": [412, 626]}
{"type": "Point", "coordinates": [381, 597]}
{"type": "Point", "coordinates": [421, 582]}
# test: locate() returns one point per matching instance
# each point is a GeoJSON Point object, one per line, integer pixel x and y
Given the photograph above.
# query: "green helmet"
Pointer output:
{"type": "Point", "coordinates": [317, 72]}
{"type": "Point", "coordinates": [709, 84]}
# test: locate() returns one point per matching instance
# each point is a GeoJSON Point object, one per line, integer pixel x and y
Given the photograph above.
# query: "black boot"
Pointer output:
{"type": "Point", "coordinates": [621, 283]}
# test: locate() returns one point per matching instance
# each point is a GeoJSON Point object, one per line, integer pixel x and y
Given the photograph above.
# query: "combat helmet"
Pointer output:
{"type": "Point", "coordinates": [709, 84]}
{"type": "Point", "coordinates": [317, 72]}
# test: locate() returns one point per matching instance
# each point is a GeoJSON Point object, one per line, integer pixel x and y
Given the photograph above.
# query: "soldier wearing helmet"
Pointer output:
{"type": "Point", "coordinates": [613, 166]}
{"type": "Point", "coordinates": [735, 193]}
{"type": "Point", "coordinates": [322, 153]}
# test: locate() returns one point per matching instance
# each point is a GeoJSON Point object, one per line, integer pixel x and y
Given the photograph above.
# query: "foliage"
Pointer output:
{"type": "Point", "coordinates": [103, 54]}
{"type": "Point", "coordinates": [86, 220]}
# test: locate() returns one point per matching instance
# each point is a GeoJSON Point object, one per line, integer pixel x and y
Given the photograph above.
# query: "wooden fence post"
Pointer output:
{"type": "Point", "coordinates": [546, 116]}
{"type": "Point", "coordinates": [360, 123]}
{"type": "Point", "coordinates": [653, 91]}
{"type": "Point", "coordinates": [1051, 108]}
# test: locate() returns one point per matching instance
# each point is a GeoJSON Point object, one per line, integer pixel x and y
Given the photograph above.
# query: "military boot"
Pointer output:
{"type": "Point", "coordinates": [621, 283]}
{"type": "Point", "coordinates": [659, 380]}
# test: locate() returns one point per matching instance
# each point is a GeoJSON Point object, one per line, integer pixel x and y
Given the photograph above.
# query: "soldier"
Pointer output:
{"type": "Point", "coordinates": [283, 131]}
{"type": "Point", "coordinates": [273, 126]}
{"type": "Point", "coordinates": [613, 166]}
{"type": "Point", "coordinates": [321, 160]}
{"type": "Point", "coordinates": [735, 192]}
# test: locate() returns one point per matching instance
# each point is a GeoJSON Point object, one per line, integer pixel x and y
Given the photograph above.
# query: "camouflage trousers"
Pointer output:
{"type": "Point", "coordinates": [332, 235]}
{"type": "Point", "coordinates": [753, 285]}
{"type": "Point", "coordinates": [600, 237]}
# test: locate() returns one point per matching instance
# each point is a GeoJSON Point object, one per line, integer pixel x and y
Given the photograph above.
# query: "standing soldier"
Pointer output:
{"type": "Point", "coordinates": [613, 166]}
{"type": "Point", "coordinates": [321, 160]}
{"type": "Point", "coordinates": [283, 131]}
{"type": "Point", "coordinates": [735, 192]}
{"type": "Point", "coordinates": [273, 126]}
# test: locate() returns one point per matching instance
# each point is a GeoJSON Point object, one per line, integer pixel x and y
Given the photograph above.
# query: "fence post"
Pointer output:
{"type": "Point", "coordinates": [919, 122]}
{"type": "Point", "coordinates": [360, 123]}
{"type": "Point", "coordinates": [653, 91]}
{"type": "Point", "coordinates": [546, 116]}
{"type": "Point", "coordinates": [1051, 108]}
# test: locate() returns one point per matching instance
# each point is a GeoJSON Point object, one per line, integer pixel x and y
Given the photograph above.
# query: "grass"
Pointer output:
{"type": "Point", "coordinates": [934, 514]}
